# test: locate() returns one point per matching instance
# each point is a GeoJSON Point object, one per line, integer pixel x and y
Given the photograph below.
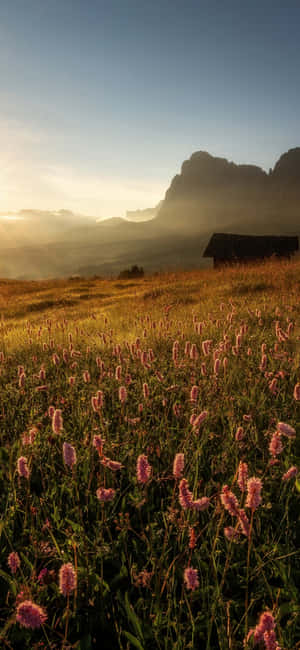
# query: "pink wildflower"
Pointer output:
{"type": "Point", "coordinates": [29, 438]}
{"type": "Point", "coordinates": [69, 454]}
{"type": "Point", "coordinates": [67, 579]}
{"type": "Point", "coordinates": [297, 392]}
{"type": "Point", "coordinates": [266, 624]}
{"type": "Point", "coordinates": [178, 465]}
{"type": "Point", "coordinates": [98, 443]}
{"type": "Point", "coordinates": [86, 376]}
{"type": "Point", "coordinates": [145, 390]}
{"type": "Point", "coordinates": [13, 562]}
{"type": "Point", "coordinates": [254, 487]}
{"type": "Point", "coordinates": [271, 641]}
{"type": "Point", "coordinates": [42, 575]}
{"type": "Point", "coordinates": [22, 380]}
{"type": "Point", "coordinates": [286, 430]}
{"type": "Point", "coordinates": [247, 417]}
{"type": "Point", "coordinates": [114, 465]}
{"type": "Point", "coordinates": [229, 501]}
{"type": "Point", "coordinates": [194, 352]}
{"type": "Point", "coordinates": [200, 418]}
{"type": "Point", "coordinates": [143, 469]}
{"type": "Point", "coordinates": [118, 373]}
{"type": "Point", "coordinates": [57, 421]}
{"type": "Point", "coordinates": [105, 495]}
{"type": "Point", "coordinates": [263, 363]}
{"type": "Point", "coordinates": [191, 578]}
{"type": "Point", "coordinates": [22, 467]}
{"type": "Point", "coordinates": [185, 496]}
{"type": "Point", "coordinates": [239, 434]}
{"type": "Point", "coordinates": [231, 534]}
{"type": "Point", "coordinates": [276, 446]}
{"type": "Point", "coordinates": [30, 615]}
{"type": "Point", "coordinates": [201, 504]}
{"type": "Point", "coordinates": [242, 476]}
{"type": "Point", "coordinates": [217, 366]}
{"type": "Point", "coordinates": [122, 394]}
{"type": "Point", "coordinates": [291, 473]}
{"type": "Point", "coordinates": [273, 386]}
{"type": "Point", "coordinates": [51, 411]}
{"type": "Point", "coordinates": [244, 522]}
{"type": "Point", "coordinates": [194, 394]}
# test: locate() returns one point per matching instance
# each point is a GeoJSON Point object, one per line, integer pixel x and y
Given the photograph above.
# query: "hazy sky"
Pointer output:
{"type": "Point", "coordinates": [102, 100]}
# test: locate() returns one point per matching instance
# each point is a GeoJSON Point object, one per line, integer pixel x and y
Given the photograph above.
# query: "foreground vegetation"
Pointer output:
{"type": "Point", "coordinates": [103, 385]}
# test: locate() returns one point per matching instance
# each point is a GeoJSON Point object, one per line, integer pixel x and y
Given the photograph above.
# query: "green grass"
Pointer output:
{"type": "Point", "coordinates": [130, 553]}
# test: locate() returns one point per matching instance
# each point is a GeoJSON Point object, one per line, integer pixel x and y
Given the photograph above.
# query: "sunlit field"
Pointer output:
{"type": "Point", "coordinates": [148, 461]}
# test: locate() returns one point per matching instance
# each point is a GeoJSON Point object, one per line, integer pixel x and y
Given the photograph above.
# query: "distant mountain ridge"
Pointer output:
{"type": "Point", "coordinates": [209, 195]}
{"type": "Point", "coordinates": [213, 190]}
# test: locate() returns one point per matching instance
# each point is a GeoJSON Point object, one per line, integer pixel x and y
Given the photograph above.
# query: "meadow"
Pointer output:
{"type": "Point", "coordinates": [148, 461]}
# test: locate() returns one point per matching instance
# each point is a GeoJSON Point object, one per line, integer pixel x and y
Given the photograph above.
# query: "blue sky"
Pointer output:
{"type": "Point", "coordinates": [101, 101]}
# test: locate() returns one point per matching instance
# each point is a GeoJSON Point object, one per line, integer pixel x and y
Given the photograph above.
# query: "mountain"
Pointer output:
{"type": "Point", "coordinates": [214, 191]}
{"type": "Point", "coordinates": [210, 194]}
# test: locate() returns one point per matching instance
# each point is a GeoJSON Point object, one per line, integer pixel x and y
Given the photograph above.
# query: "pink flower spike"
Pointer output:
{"type": "Point", "coordinates": [191, 578]}
{"type": "Point", "coordinates": [296, 393]}
{"type": "Point", "coordinates": [242, 476]}
{"type": "Point", "coordinates": [185, 495]}
{"type": "Point", "coordinates": [30, 615]}
{"type": "Point", "coordinates": [122, 394]}
{"type": "Point", "coordinates": [229, 501]}
{"type": "Point", "coordinates": [13, 562]}
{"type": "Point", "coordinates": [69, 454]}
{"type": "Point", "coordinates": [67, 579]}
{"type": "Point", "coordinates": [98, 443]}
{"type": "Point", "coordinates": [105, 495]}
{"type": "Point", "coordinates": [286, 430]}
{"type": "Point", "coordinates": [231, 534]}
{"type": "Point", "coordinates": [143, 469]}
{"type": "Point", "coordinates": [254, 487]}
{"type": "Point", "coordinates": [23, 469]}
{"type": "Point", "coordinates": [291, 473]}
{"type": "Point", "coordinates": [57, 421]}
{"type": "Point", "coordinates": [276, 446]}
{"type": "Point", "coordinates": [201, 504]}
{"type": "Point", "coordinates": [244, 524]}
{"type": "Point", "coordinates": [178, 465]}
{"type": "Point", "coordinates": [114, 465]}
{"type": "Point", "coordinates": [239, 434]}
{"type": "Point", "coordinates": [200, 418]}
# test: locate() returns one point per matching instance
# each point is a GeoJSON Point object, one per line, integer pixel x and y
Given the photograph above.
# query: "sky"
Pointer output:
{"type": "Point", "coordinates": [102, 100]}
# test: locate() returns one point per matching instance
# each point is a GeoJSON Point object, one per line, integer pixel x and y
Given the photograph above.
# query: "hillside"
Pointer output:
{"type": "Point", "coordinates": [149, 486]}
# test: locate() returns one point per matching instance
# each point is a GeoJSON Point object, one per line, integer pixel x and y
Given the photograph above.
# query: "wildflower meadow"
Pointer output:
{"type": "Point", "coordinates": [149, 461]}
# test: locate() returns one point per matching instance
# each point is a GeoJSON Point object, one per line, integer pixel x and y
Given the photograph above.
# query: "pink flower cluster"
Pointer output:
{"type": "Point", "coordinates": [22, 467]}
{"type": "Point", "coordinates": [13, 561]}
{"type": "Point", "coordinates": [254, 487]}
{"type": "Point", "coordinates": [67, 579]}
{"type": "Point", "coordinates": [69, 454]}
{"type": "Point", "coordinates": [186, 498]}
{"type": "Point", "coordinates": [105, 494]}
{"type": "Point", "coordinates": [178, 466]}
{"type": "Point", "coordinates": [264, 632]}
{"type": "Point", "coordinates": [191, 578]}
{"type": "Point", "coordinates": [143, 469]}
{"type": "Point", "coordinates": [30, 615]}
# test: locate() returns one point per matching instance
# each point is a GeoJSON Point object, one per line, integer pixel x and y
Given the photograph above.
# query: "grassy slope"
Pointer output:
{"type": "Point", "coordinates": [144, 532]}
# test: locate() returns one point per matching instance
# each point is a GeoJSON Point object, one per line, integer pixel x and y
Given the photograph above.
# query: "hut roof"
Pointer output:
{"type": "Point", "coordinates": [225, 245]}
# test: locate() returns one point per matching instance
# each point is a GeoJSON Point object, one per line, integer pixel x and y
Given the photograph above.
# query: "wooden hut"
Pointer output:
{"type": "Point", "coordinates": [228, 249]}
